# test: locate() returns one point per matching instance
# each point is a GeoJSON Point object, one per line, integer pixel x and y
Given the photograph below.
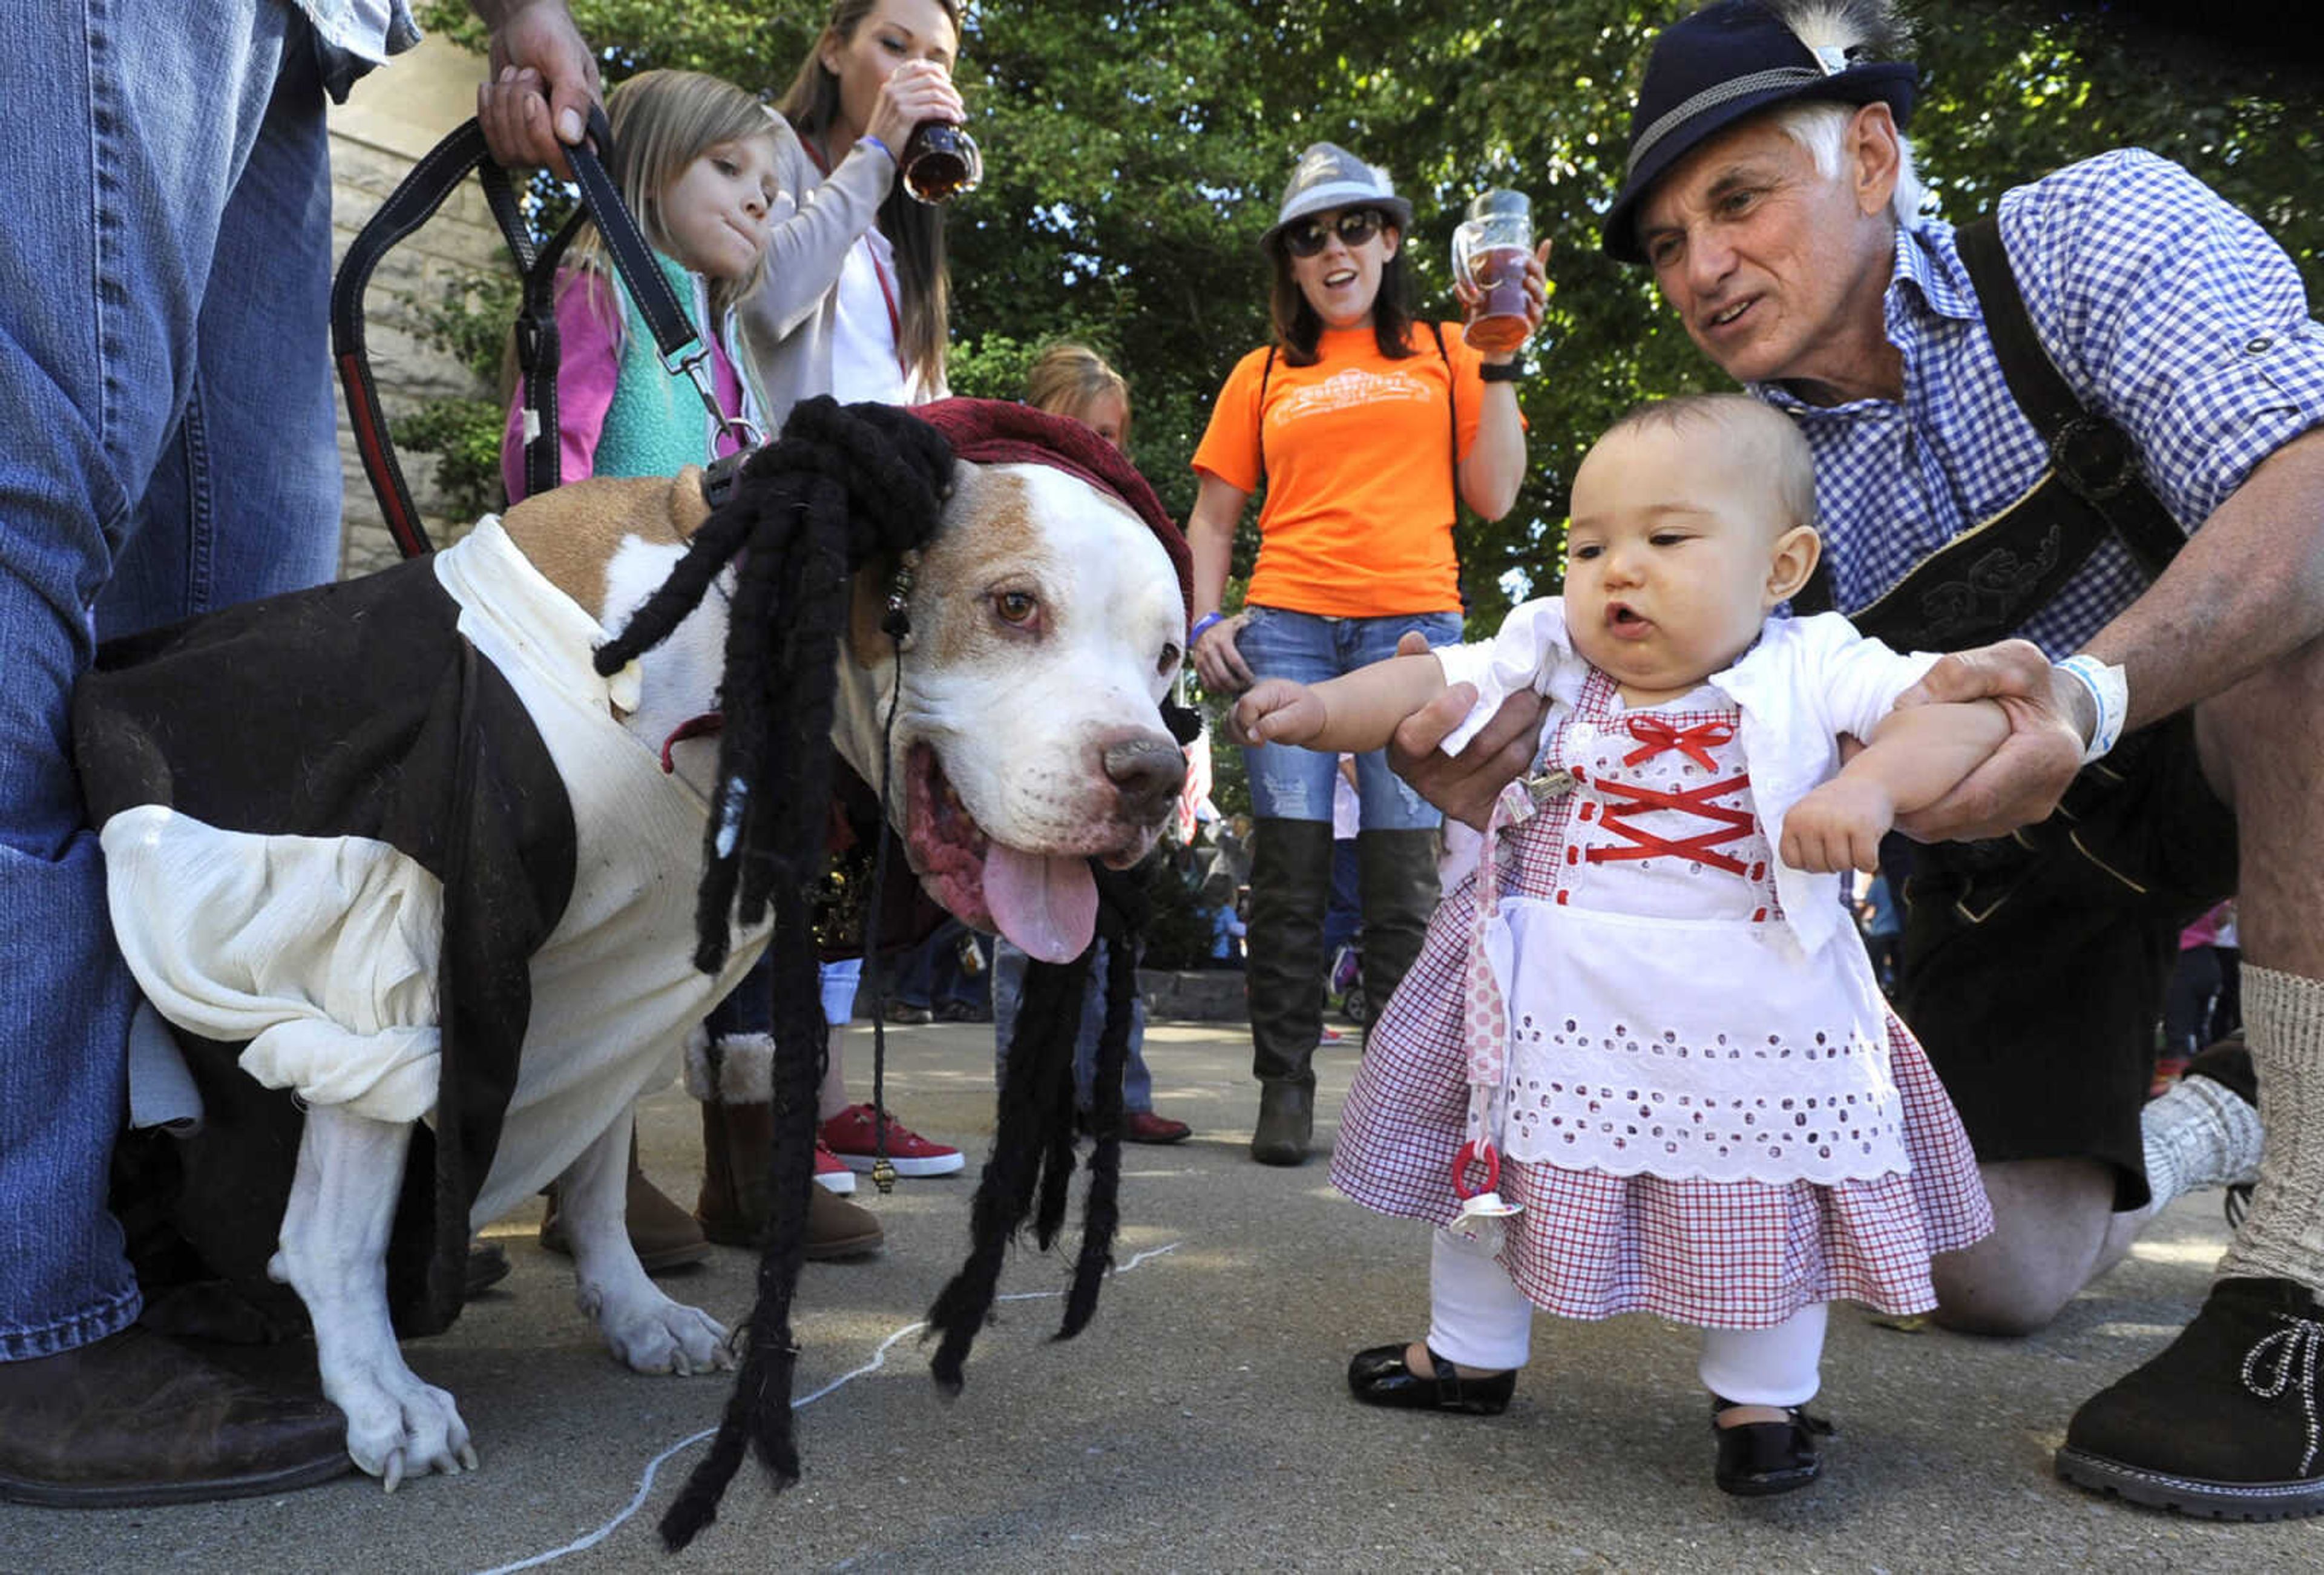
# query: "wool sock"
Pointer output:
{"type": "Point", "coordinates": [2200, 1134]}
{"type": "Point", "coordinates": [2283, 1237]}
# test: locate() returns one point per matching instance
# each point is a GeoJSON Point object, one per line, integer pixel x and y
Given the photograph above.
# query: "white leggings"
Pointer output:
{"type": "Point", "coordinates": [1478, 1319]}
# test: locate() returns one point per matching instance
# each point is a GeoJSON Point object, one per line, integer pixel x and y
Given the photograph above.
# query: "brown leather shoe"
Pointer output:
{"type": "Point", "coordinates": [665, 1236]}
{"type": "Point", "coordinates": [1146, 1126]}
{"type": "Point", "coordinates": [836, 1228]}
{"type": "Point", "coordinates": [137, 1419]}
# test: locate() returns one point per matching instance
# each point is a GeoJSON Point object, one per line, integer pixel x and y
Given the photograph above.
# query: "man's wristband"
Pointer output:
{"type": "Point", "coordinates": [2110, 691]}
{"type": "Point", "coordinates": [1510, 370]}
{"type": "Point", "coordinates": [1202, 626]}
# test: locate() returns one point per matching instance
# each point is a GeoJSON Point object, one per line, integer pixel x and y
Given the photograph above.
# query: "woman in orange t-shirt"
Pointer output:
{"type": "Point", "coordinates": [1363, 424]}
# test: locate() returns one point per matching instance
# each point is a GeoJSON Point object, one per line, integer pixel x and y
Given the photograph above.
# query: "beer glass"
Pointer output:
{"type": "Point", "coordinates": [1488, 254]}
{"type": "Point", "coordinates": [940, 162]}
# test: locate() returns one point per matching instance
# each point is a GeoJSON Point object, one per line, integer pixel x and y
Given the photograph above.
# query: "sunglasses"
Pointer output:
{"type": "Point", "coordinates": [1309, 236]}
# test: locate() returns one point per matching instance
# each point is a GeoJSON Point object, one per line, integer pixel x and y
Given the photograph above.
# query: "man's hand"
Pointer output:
{"type": "Point", "coordinates": [1838, 826]}
{"type": "Point", "coordinates": [1464, 785]}
{"type": "Point", "coordinates": [543, 79]}
{"type": "Point", "coordinates": [2021, 781]}
{"type": "Point", "coordinates": [1278, 711]}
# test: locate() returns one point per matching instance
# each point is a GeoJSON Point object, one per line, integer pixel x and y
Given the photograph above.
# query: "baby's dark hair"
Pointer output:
{"type": "Point", "coordinates": [1781, 451]}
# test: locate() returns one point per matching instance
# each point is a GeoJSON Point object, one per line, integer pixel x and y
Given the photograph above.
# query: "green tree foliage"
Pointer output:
{"type": "Point", "coordinates": [1136, 148]}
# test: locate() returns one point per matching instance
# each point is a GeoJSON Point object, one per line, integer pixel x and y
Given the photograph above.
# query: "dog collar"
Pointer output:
{"type": "Point", "coordinates": [709, 724]}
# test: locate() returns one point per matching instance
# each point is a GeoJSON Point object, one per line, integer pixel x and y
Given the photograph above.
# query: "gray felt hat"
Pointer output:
{"type": "Point", "coordinates": [1330, 177]}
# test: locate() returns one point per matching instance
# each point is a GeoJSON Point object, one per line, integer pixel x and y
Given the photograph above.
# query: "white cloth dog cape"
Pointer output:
{"type": "Point", "coordinates": [341, 829]}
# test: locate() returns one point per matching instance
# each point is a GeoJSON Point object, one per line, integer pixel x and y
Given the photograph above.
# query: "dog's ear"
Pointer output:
{"type": "Point", "coordinates": [688, 507]}
{"type": "Point", "coordinates": [867, 603]}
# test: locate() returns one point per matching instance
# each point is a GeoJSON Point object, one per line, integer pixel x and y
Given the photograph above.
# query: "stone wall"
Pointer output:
{"type": "Point", "coordinates": [393, 116]}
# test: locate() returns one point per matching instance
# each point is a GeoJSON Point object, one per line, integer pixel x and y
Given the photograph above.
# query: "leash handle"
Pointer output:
{"type": "Point", "coordinates": [683, 351]}
{"type": "Point", "coordinates": [410, 204]}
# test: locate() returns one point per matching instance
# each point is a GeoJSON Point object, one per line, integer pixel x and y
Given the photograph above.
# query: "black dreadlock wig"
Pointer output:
{"type": "Point", "coordinates": [844, 487]}
{"type": "Point", "coordinates": [839, 489]}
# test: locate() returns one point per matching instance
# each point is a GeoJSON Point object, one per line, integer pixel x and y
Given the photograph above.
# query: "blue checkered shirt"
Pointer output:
{"type": "Point", "coordinates": [2165, 310]}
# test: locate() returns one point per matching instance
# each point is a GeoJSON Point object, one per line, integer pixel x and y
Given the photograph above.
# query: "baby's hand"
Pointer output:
{"type": "Point", "coordinates": [1838, 826]}
{"type": "Point", "coordinates": [1278, 711]}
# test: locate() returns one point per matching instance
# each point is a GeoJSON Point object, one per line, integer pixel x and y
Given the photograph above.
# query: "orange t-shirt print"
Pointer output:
{"type": "Point", "coordinates": [1357, 522]}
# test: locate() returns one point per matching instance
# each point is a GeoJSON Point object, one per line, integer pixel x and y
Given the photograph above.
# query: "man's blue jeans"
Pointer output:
{"type": "Point", "coordinates": [1009, 965]}
{"type": "Point", "coordinates": [166, 400]}
{"type": "Point", "coordinates": [1290, 783]}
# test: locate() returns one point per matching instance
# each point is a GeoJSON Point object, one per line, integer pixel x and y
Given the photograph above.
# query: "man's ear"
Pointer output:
{"type": "Point", "coordinates": [1874, 158]}
{"type": "Point", "coordinates": [1796, 551]}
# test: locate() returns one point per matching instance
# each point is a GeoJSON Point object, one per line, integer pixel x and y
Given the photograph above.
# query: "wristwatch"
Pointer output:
{"type": "Point", "coordinates": [1510, 370]}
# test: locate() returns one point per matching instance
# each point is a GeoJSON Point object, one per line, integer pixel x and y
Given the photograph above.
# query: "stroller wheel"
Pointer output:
{"type": "Point", "coordinates": [1356, 1007]}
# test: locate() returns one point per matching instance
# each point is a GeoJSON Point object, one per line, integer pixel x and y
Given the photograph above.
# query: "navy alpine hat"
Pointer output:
{"type": "Point", "coordinates": [1710, 70]}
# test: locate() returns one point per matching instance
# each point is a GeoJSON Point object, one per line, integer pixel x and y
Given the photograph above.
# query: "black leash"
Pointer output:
{"type": "Point", "coordinates": [684, 352]}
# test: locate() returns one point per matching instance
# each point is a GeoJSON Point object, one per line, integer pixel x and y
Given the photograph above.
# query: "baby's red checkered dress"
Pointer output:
{"type": "Point", "coordinates": [1593, 1240]}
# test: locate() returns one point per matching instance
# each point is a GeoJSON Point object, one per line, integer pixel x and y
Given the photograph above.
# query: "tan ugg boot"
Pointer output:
{"type": "Point", "coordinates": [734, 1077]}
{"type": "Point", "coordinates": [664, 1235]}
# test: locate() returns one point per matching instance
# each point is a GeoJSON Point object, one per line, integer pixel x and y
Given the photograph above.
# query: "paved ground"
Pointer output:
{"type": "Point", "coordinates": [1201, 1423]}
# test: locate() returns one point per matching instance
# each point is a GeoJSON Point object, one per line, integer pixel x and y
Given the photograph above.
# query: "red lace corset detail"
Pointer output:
{"type": "Point", "coordinates": [1623, 800]}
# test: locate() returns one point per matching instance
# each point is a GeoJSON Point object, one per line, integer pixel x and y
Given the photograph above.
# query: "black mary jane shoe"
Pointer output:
{"type": "Point", "coordinates": [1758, 1459]}
{"type": "Point", "coordinates": [1382, 1376]}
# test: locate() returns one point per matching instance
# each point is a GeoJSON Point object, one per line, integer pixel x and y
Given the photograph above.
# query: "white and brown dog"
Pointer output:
{"type": "Point", "coordinates": [392, 855]}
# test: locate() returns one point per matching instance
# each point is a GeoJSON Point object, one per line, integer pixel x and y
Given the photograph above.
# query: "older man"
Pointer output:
{"type": "Point", "coordinates": [2126, 472]}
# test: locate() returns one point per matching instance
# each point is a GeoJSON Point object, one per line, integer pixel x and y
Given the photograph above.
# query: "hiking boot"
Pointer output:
{"type": "Point", "coordinates": [2223, 1422]}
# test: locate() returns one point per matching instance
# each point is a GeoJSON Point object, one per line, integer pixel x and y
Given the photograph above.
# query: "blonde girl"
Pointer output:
{"type": "Point", "coordinates": [694, 157]}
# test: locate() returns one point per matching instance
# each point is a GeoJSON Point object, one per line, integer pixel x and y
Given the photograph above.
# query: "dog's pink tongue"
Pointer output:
{"type": "Point", "coordinates": [1047, 906]}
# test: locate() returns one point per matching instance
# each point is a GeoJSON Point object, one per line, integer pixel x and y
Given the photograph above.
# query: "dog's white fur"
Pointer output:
{"type": "Point", "coordinates": [1032, 725]}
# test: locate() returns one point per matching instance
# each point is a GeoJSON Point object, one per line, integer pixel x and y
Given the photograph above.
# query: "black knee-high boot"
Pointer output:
{"type": "Point", "coordinates": [1395, 880]}
{"type": "Point", "coordinates": [1290, 884]}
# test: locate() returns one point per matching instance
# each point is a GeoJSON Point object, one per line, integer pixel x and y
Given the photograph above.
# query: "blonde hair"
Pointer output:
{"type": "Point", "coordinates": [1068, 380]}
{"type": "Point", "coordinates": [1783, 454]}
{"type": "Point", "coordinates": [663, 121]}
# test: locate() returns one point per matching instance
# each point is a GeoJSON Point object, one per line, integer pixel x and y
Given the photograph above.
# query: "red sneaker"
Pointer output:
{"type": "Point", "coordinates": [830, 1174]}
{"type": "Point", "coordinates": [851, 1135]}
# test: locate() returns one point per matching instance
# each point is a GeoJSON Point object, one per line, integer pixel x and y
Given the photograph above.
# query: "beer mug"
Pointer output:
{"type": "Point", "coordinates": [940, 162]}
{"type": "Point", "coordinates": [1489, 254]}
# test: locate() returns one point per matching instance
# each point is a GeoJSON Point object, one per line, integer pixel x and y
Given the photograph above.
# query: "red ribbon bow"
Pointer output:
{"type": "Point", "coordinates": [1656, 735]}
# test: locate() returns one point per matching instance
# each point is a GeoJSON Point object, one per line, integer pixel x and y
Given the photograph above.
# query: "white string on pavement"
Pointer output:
{"type": "Point", "coordinates": [879, 1359]}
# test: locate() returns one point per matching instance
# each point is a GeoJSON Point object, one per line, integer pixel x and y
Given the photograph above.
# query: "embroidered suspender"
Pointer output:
{"type": "Point", "coordinates": [1985, 583]}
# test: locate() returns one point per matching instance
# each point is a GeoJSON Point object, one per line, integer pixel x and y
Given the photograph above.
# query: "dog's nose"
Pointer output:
{"type": "Point", "coordinates": [1147, 769]}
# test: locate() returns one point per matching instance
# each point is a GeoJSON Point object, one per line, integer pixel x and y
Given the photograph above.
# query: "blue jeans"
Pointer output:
{"type": "Point", "coordinates": [1008, 966]}
{"type": "Point", "coordinates": [165, 387]}
{"type": "Point", "coordinates": [1291, 783]}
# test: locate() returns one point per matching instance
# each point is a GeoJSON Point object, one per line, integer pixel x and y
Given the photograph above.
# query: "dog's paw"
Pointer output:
{"type": "Point", "coordinates": [663, 1336]}
{"type": "Point", "coordinates": [398, 1426]}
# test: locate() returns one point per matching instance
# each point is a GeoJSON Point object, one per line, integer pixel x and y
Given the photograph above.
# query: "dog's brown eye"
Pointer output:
{"type": "Point", "coordinates": [1171, 657]}
{"type": "Point", "coordinates": [1015, 606]}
